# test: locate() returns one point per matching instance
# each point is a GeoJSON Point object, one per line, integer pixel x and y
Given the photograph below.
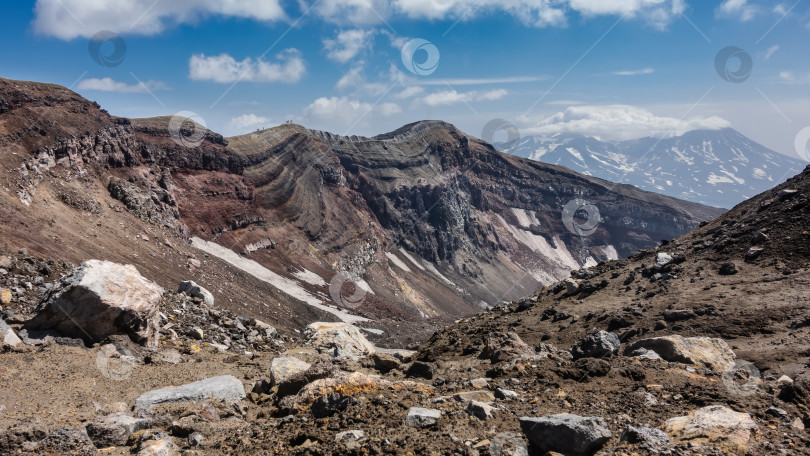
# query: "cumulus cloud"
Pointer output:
{"type": "Point", "coordinates": [111, 85]}
{"type": "Point", "coordinates": [451, 97]}
{"type": "Point", "coordinates": [223, 68]}
{"type": "Point", "coordinates": [248, 122]}
{"type": "Point", "coordinates": [620, 122]}
{"type": "Point", "coordinates": [68, 19]}
{"type": "Point", "coordinates": [738, 8]}
{"type": "Point", "coordinates": [348, 44]}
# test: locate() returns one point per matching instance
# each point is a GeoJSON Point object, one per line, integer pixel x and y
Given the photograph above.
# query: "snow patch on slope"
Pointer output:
{"type": "Point", "coordinates": [287, 286]}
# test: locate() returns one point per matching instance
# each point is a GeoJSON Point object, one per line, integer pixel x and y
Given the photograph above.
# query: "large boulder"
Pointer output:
{"type": "Point", "coordinates": [716, 425]}
{"type": "Point", "coordinates": [596, 344]}
{"type": "Point", "coordinates": [566, 433]}
{"type": "Point", "coordinates": [714, 354]}
{"type": "Point", "coordinates": [100, 299]}
{"type": "Point", "coordinates": [191, 289]}
{"type": "Point", "coordinates": [226, 387]}
{"type": "Point", "coordinates": [340, 340]}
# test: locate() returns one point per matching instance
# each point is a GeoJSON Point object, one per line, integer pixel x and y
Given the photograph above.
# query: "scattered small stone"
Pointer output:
{"type": "Point", "coordinates": [352, 440]}
{"type": "Point", "coordinates": [728, 269]}
{"type": "Point", "coordinates": [422, 417]}
{"type": "Point", "coordinates": [504, 394]}
{"type": "Point", "coordinates": [596, 344]}
{"type": "Point", "coordinates": [480, 410]}
{"type": "Point", "coordinates": [191, 289]}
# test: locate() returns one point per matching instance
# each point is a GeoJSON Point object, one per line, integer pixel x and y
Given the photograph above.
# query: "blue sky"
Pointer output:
{"type": "Point", "coordinates": [616, 69]}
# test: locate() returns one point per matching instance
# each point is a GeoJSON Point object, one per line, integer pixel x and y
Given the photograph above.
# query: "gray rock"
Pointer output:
{"type": "Point", "coordinates": [114, 430]}
{"type": "Point", "coordinates": [286, 367]}
{"type": "Point", "coordinates": [196, 333]}
{"type": "Point", "coordinates": [225, 387]}
{"type": "Point", "coordinates": [7, 336]}
{"type": "Point", "coordinates": [100, 299]}
{"type": "Point", "coordinates": [571, 286]}
{"type": "Point", "coordinates": [777, 413]}
{"type": "Point", "coordinates": [508, 444]}
{"type": "Point", "coordinates": [191, 289]}
{"type": "Point", "coordinates": [422, 417]}
{"type": "Point", "coordinates": [480, 410]}
{"type": "Point", "coordinates": [269, 331]}
{"type": "Point", "coordinates": [351, 439]}
{"type": "Point", "coordinates": [566, 433]}
{"type": "Point", "coordinates": [596, 344]}
{"type": "Point", "coordinates": [340, 340]}
{"type": "Point", "coordinates": [717, 425]}
{"type": "Point", "coordinates": [650, 439]}
{"type": "Point", "coordinates": [663, 259]}
{"type": "Point", "coordinates": [196, 439]}
{"type": "Point", "coordinates": [158, 447]}
{"type": "Point", "coordinates": [503, 394]}
{"type": "Point", "coordinates": [706, 352]}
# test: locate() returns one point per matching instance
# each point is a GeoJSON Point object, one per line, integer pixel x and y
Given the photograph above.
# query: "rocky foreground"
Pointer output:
{"type": "Point", "coordinates": [108, 362]}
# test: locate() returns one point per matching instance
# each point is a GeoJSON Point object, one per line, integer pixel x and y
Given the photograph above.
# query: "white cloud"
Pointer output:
{"type": "Point", "coordinates": [634, 72]}
{"type": "Point", "coordinates": [347, 113]}
{"type": "Point", "coordinates": [538, 13]}
{"type": "Point", "coordinates": [348, 44]}
{"type": "Point", "coordinates": [68, 19]}
{"type": "Point", "coordinates": [355, 12]}
{"type": "Point", "coordinates": [619, 122]}
{"type": "Point", "coordinates": [451, 97]}
{"type": "Point", "coordinates": [111, 85]}
{"type": "Point", "coordinates": [223, 68]}
{"type": "Point", "coordinates": [740, 9]}
{"type": "Point", "coordinates": [249, 122]}
{"type": "Point", "coordinates": [409, 92]}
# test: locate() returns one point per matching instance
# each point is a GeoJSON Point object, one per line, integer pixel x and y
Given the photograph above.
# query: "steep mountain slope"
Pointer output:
{"type": "Point", "coordinates": [397, 233]}
{"type": "Point", "coordinates": [720, 168]}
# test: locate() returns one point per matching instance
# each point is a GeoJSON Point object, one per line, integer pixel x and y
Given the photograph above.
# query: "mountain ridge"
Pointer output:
{"type": "Point", "coordinates": [732, 167]}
